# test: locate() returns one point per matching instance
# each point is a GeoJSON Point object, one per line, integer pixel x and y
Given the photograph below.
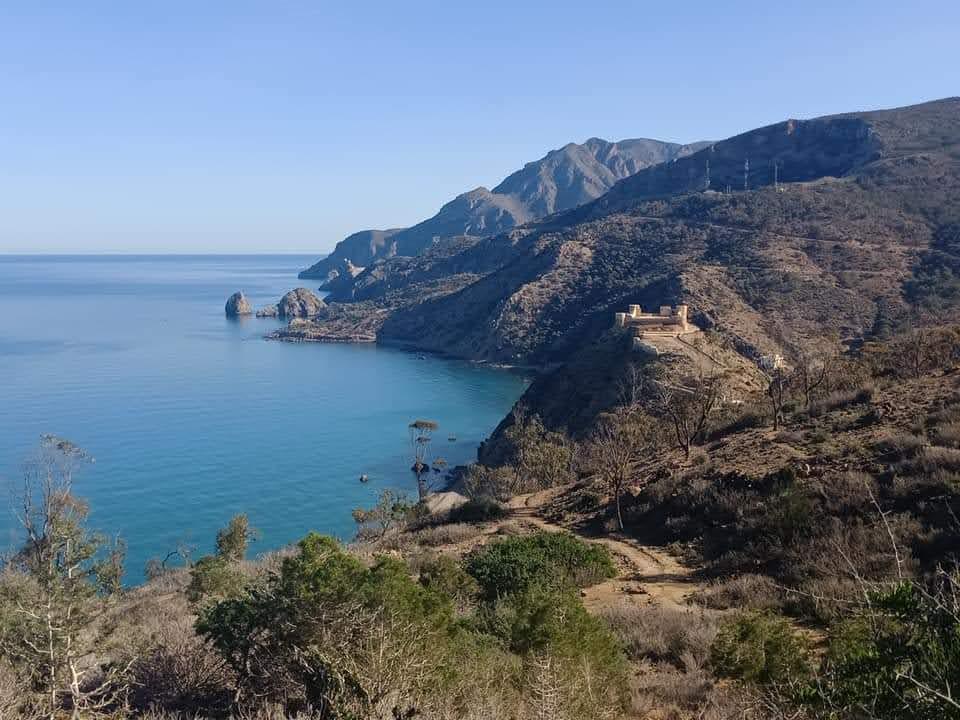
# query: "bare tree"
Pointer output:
{"type": "Point", "coordinates": [392, 509]}
{"type": "Point", "coordinates": [778, 392]}
{"type": "Point", "coordinates": [918, 351]}
{"type": "Point", "coordinates": [63, 576]}
{"type": "Point", "coordinates": [421, 434]}
{"type": "Point", "coordinates": [617, 447]}
{"type": "Point", "coordinates": [688, 408]}
{"type": "Point", "coordinates": [811, 374]}
{"type": "Point", "coordinates": [632, 384]}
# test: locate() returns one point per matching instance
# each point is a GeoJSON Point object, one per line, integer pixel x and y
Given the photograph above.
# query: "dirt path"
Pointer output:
{"type": "Point", "coordinates": [646, 574]}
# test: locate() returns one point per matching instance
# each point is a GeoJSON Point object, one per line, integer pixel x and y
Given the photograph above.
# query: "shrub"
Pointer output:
{"type": "Point", "coordinates": [448, 534]}
{"type": "Point", "coordinates": [179, 672]}
{"type": "Point", "coordinates": [934, 458]}
{"type": "Point", "coordinates": [680, 636]}
{"type": "Point", "coordinates": [555, 560]}
{"type": "Point", "coordinates": [900, 445]}
{"type": "Point", "coordinates": [234, 539]}
{"type": "Point", "coordinates": [789, 516]}
{"type": "Point", "coordinates": [392, 510]}
{"type": "Point", "coordinates": [214, 577]}
{"type": "Point", "coordinates": [587, 666]}
{"type": "Point", "coordinates": [745, 418]}
{"type": "Point", "coordinates": [749, 591]}
{"type": "Point", "coordinates": [331, 634]}
{"type": "Point", "coordinates": [760, 648]}
{"type": "Point", "coordinates": [899, 657]}
{"type": "Point", "coordinates": [664, 692]}
{"type": "Point", "coordinates": [842, 398]}
{"type": "Point", "coordinates": [447, 577]}
{"type": "Point", "coordinates": [479, 509]}
{"type": "Point", "coordinates": [948, 435]}
{"type": "Point", "coordinates": [498, 482]}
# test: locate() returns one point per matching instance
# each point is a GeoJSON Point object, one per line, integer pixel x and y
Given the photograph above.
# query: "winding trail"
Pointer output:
{"type": "Point", "coordinates": [646, 574]}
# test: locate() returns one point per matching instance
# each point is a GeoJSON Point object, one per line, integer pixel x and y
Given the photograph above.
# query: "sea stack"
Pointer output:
{"type": "Point", "coordinates": [237, 304]}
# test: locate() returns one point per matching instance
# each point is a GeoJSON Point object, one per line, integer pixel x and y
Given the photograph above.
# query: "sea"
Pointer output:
{"type": "Point", "coordinates": [191, 417]}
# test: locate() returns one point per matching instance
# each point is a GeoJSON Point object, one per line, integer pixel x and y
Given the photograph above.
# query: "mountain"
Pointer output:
{"type": "Point", "coordinates": [860, 233]}
{"type": "Point", "coordinates": [563, 179]}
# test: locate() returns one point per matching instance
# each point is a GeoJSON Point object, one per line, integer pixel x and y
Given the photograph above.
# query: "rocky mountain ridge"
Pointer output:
{"type": "Point", "coordinates": [563, 179]}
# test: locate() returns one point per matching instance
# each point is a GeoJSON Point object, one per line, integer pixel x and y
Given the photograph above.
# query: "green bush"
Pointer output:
{"type": "Point", "coordinates": [481, 509]}
{"type": "Point", "coordinates": [586, 655]}
{"type": "Point", "coordinates": [900, 656]}
{"type": "Point", "coordinates": [554, 560]}
{"type": "Point", "coordinates": [333, 635]}
{"type": "Point", "coordinates": [214, 577]}
{"type": "Point", "coordinates": [446, 576]}
{"type": "Point", "coordinates": [789, 517]}
{"type": "Point", "coordinates": [760, 648]}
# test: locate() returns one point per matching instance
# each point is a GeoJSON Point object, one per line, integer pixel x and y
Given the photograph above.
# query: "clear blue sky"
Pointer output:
{"type": "Point", "coordinates": [233, 126]}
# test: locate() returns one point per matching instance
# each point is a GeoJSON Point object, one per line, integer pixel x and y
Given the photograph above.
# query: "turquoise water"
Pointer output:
{"type": "Point", "coordinates": [192, 417]}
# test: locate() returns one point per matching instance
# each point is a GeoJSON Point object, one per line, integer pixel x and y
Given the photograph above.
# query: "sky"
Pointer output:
{"type": "Point", "coordinates": [232, 126]}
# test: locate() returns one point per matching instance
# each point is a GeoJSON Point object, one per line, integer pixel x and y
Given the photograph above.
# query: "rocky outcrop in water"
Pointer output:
{"type": "Point", "coordinates": [269, 311]}
{"type": "Point", "coordinates": [237, 304]}
{"type": "Point", "coordinates": [299, 303]}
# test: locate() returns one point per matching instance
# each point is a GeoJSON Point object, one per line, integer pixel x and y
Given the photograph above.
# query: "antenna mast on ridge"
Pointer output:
{"type": "Point", "coordinates": [706, 185]}
{"type": "Point", "coordinates": [746, 174]}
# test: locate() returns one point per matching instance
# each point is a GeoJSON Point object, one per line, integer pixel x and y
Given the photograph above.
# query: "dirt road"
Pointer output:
{"type": "Point", "coordinates": [646, 574]}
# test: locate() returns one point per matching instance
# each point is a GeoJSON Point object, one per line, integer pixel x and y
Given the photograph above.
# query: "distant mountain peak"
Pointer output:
{"type": "Point", "coordinates": [562, 179]}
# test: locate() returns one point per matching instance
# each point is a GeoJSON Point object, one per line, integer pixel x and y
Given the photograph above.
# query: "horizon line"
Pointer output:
{"type": "Point", "coordinates": [161, 253]}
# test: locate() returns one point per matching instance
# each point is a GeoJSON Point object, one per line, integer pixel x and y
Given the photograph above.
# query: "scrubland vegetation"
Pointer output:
{"type": "Point", "coordinates": [316, 631]}
{"type": "Point", "coordinates": [820, 518]}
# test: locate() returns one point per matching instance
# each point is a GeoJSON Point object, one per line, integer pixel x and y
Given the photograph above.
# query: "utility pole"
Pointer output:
{"type": "Point", "coordinates": [746, 174]}
{"type": "Point", "coordinates": [706, 185]}
{"type": "Point", "coordinates": [776, 176]}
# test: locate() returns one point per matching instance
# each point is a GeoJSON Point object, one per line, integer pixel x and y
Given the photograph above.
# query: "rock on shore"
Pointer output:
{"type": "Point", "coordinates": [299, 303]}
{"type": "Point", "coordinates": [237, 304]}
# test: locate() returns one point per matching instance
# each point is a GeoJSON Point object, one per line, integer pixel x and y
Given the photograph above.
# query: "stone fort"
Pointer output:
{"type": "Point", "coordinates": [669, 320]}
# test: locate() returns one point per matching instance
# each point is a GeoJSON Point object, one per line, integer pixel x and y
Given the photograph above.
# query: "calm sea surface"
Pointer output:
{"type": "Point", "coordinates": [192, 417]}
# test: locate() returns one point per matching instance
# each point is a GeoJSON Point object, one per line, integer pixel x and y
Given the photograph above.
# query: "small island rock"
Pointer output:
{"type": "Point", "coordinates": [299, 303]}
{"type": "Point", "coordinates": [237, 304]}
{"type": "Point", "coordinates": [270, 311]}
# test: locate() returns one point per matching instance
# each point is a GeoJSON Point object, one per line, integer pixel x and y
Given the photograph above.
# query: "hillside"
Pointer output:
{"type": "Point", "coordinates": [563, 179]}
{"type": "Point", "coordinates": [863, 197]}
{"type": "Point", "coordinates": [858, 237]}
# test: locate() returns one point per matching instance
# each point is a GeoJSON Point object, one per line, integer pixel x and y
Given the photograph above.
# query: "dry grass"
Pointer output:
{"type": "Point", "coordinates": [841, 399]}
{"type": "Point", "coordinates": [678, 636]}
{"type": "Point", "coordinates": [451, 534]}
{"type": "Point", "coordinates": [947, 435]}
{"type": "Point", "coordinates": [900, 445]}
{"type": "Point", "coordinates": [665, 692]}
{"type": "Point", "coordinates": [755, 592]}
{"type": "Point", "coordinates": [934, 458]}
